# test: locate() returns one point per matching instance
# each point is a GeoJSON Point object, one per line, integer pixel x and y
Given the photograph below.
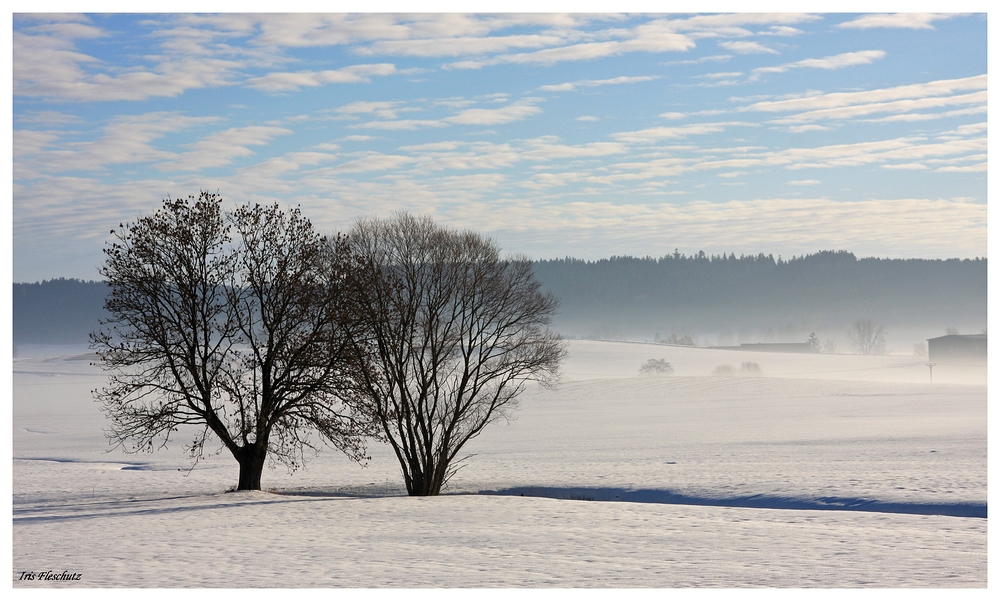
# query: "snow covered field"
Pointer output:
{"type": "Point", "coordinates": [824, 471]}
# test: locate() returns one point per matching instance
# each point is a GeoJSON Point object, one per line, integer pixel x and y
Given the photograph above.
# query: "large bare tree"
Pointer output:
{"type": "Point", "coordinates": [232, 322]}
{"type": "Point", "coordinates": [453, 332]}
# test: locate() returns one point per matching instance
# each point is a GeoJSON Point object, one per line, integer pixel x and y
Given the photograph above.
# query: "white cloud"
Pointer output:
{"type": "Point", "coordinates": [306, 30]}
{"type": "Point", "coordinates": [400, 124]}
{"type": "Point", "coordinates": [718, 58]}
{"type": "Point", "coordinates": [903, 150]}
{"type": "Point", "coordinates": [127, 139]}
{"type": "Point", "coordinates": [287, 163]}
{"type": "Point", "coordinates": [895, 21]}
{"type": "Point", "coordinates": [975, 110]}
{"type": "Point", "coordinates": [905, 101]}
{"type": "Point", "coordinates": [47, 64]}
{"type": "Point", "coordinates": [969, 129]}
{"type": "Point", "coordinates": [897, 151]}
{"type": "Point", "coordinates": [546, 148]}
{"type": "Point", "coordinates": [906, 166]}
{"type": "Point", "coordinates": [724, 22]}
{"type": "Point", "coordinates": [781, 30]}
{"type": "Point", "coordinates": [838, 99]}
{"type": "Point", "coordinates": [978, 168]}
{"type": "Point", "coordinates": [384, 109]}
{"type": "Point", "coordinates": [748, 48]}
{"type": "Point", "coordinates": [800, 129]}
{"type": "Point", "coordinates": [839, 61]}
{"type": "Point", "coordinates": [558, 37]}
{"type": "Point", "coordinates": [586, 118]}
{"type": "Point", "coordinates": [515, 111]}
{"type": "Point", "coordinates": [907, 227]}
{"type": "Point", "coordinates": [468, 157]}
{"type": "Point", "coordinates": [804, 182]}
{"type": "Point", "coordinates": [721, 75]}
{"type": "Point", "coordinates": [908, 105]}
{"type": "Point", "coordinates": [373, 162]}
{"type": "Point", "coordinates": [287, 82]}
{"type": "Point", "coordinates": [652, 36]}
{"type": "Point", "coordinates": [460, 46]}
{"type": "Point", "coordinates": [459, 103]}
{"type": "Point", "coordinates": [593, 83]}
{"type": "Point", "coordinates": [46, 117]}
{"type": "Point", "coordinates": [434, 146]}
{"type": "Point", "coordinates": [222, 148]}
{"type": "Point", "coordinates": [586, 51]}
{"type": "Point", "coordinates": [955, 160]}
{"type": "Point", "coordinates": [654, 134]}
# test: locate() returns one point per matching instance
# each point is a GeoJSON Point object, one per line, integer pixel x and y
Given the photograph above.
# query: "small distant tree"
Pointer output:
{"type": "Point", "coordinates": [951, 331]}
{"type": "Point", "coordinates": [453, 332]}
{"type": "Point", "coordinates": [235, 324]}
{"type": "Point", "coordinates": [723, 370]}
{"type": "Point", "coordinates": [751, 368]}
{"type": "Point", "coordinates": [829, 346]}
{"type": "Point", "coordinates": [813, 340]}
{"type": "Point", "coordinates": [683, 340]}
{"type": "Point", "coordinates": [920, 349]}
{"type": "Point", "coordinates": [867, 337]}
{"type": "Point", "coordinates": [656, 367]}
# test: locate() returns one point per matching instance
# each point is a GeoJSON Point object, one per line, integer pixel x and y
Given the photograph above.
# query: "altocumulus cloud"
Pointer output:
{"type": "Point", "coordinates": [578, 134]}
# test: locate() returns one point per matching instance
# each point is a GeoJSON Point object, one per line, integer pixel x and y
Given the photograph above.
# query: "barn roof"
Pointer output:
{"type": "Point", "coordinates": [960, 337]}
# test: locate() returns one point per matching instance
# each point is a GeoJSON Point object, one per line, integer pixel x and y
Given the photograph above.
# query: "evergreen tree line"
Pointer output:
{"type": "Point", "coordinates": [633, 296]}
{"type": "Point", "coordinates": [828, 290]}
{"type": "Point", "coordinates": [61, 311]}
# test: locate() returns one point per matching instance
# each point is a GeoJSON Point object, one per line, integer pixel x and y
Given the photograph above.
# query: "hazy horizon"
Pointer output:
{"type": "Point", "coordinates": [777, 257]}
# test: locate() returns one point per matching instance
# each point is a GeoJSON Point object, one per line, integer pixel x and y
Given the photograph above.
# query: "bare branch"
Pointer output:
{"type": "Point", "coordinates": [236, 322]}
{"type": "Point", "coordinates": [454, 332]}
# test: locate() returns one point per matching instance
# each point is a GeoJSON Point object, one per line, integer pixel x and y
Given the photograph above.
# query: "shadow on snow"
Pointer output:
{"type": "Point", "coordinates": [965, 510]}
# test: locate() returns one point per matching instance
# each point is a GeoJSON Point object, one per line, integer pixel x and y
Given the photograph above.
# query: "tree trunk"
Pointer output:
{"type": "Point", "coordinates": [427, 483]}
{"type": "Point", "coordinates": [423, 488]}
{"type": "Point", "coordinates": [251, 459]}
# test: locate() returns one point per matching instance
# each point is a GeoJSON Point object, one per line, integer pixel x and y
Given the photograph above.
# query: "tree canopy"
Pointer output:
{"type": "Point", "coordinates": [454, 333]}
{"type": "Point", "coordinates": [233, 322]}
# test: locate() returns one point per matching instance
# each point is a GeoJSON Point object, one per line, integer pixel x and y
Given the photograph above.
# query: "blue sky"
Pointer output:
{"type": "Point", "coordinates": [582, 135]}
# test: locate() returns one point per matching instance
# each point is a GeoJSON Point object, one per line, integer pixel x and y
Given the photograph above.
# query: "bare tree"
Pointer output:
{"type": "Point", "coordinates": [234, 323]}
{"type": "Point", "coordinates": [656, 367]}
{"type": "Point", "coordinates": [866, 336]}
{"type": "Point", "coordinates": [453, 332]}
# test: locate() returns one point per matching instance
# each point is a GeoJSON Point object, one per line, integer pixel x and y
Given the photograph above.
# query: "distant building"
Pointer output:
{"type": "Point", "coordinates": [770, 347]}
{"type": "Point", "coordinates": [957, 349]}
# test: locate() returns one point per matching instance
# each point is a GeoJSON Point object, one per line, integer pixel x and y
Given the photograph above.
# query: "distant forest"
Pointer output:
{"type": "Point", "coordinates": [731, 299]}
{"type": "Point", "coordinates": [760, 298]}
{"type": "Point", "coordinates": [62, 311]}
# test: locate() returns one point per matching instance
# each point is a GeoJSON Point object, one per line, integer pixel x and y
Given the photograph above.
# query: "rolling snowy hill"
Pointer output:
{"type": "Point", "coordinates": [826, 470]}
